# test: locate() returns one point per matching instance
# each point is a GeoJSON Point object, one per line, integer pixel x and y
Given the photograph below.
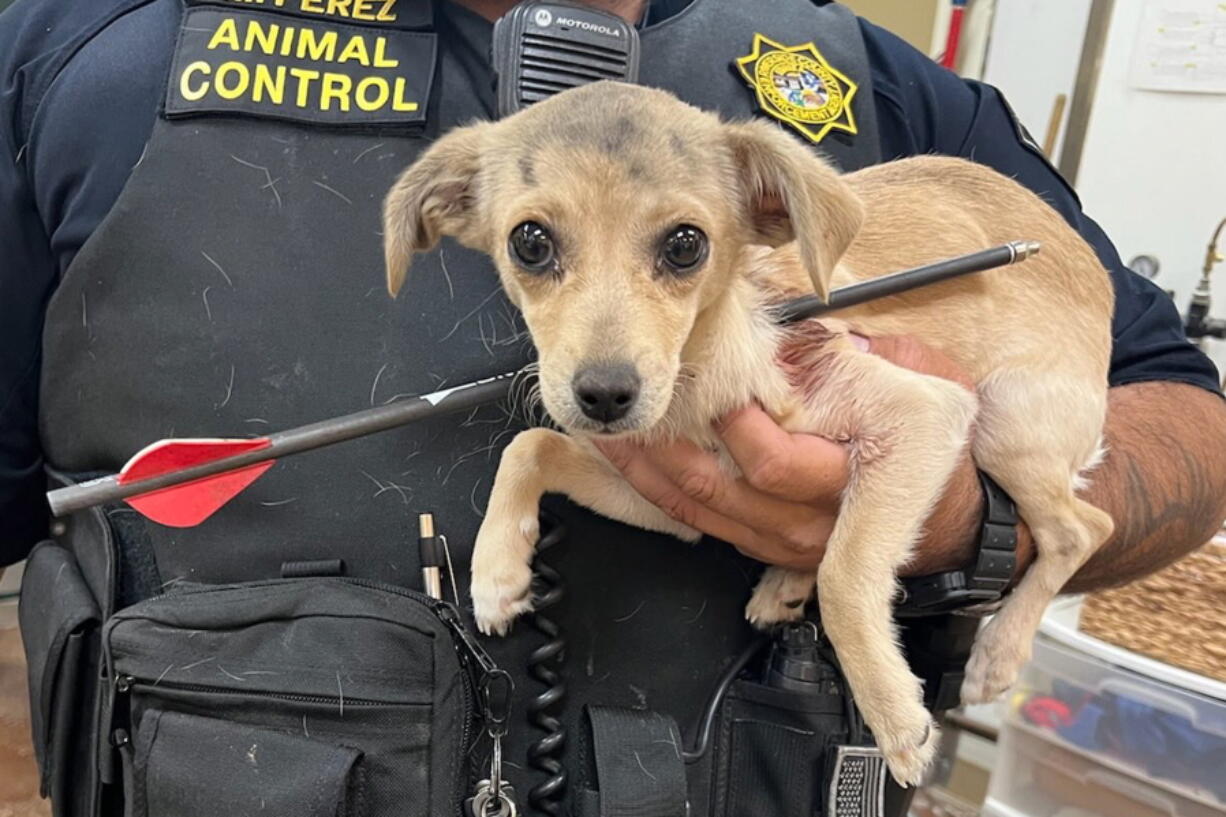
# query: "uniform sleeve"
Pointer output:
{"type": "Point", "coordinates": [923, 108]}
{"type": "Point", "coordinates": [27, 276]}
{"type": "Point", "coordinates": [28, 273]}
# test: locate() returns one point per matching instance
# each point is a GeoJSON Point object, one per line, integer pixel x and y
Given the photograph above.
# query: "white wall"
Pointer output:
{"type": "Point", "coordinates": [1154, 169]}
{"type": "Point", "coordinates": [1033, 55]}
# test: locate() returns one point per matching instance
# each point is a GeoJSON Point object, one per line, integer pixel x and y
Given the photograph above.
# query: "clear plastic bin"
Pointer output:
{"type": "Point", "coordinates": [1086, 736]}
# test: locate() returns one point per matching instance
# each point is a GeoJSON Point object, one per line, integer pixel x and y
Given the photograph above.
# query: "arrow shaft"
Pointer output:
{"type": "Point", "coordinates": [810, 306]}
{"type": "Point", "coordinates": [382, 418]}
{"type": "Point", "coordinates": [293, 441]}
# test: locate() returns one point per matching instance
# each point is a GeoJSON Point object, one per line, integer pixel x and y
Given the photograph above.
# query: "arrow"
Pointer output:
{"type": "Point", "coordinates": [182, 482]}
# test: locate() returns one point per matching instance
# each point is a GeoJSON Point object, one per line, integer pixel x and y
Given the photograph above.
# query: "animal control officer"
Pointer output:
{"type": "Point", "coordinates": [189, 215]}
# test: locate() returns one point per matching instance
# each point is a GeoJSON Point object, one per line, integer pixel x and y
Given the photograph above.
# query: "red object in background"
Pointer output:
{"type": "Point", "coordinates": [1046, 712]}
{"type": "Point", "coordinates": [182, 506]}
{"type": "Point", "coordinates": [955, 34]}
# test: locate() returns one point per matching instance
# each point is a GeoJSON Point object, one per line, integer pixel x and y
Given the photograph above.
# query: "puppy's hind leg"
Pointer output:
{"type": "Point", "coordinates": [537, 462]}
{"type": "Point", "coordinates": [1037, 430]}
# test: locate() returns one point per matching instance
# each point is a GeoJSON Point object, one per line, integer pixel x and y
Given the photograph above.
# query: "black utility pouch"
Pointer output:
{"type": "Point", "coordinates": [772, 750]}
{"type": "Point", "coordinates": [317, 697]}
{"type": "Point", "coordinates": [59, 627]}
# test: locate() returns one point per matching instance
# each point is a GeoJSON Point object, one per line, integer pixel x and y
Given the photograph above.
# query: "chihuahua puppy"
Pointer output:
{"type": "Point", "coordinates": [645, 240]}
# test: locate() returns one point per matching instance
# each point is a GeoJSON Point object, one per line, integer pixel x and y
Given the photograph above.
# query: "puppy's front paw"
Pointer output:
{"type": "Point", "coordinates": [502, 581]}
{"type": "Point", "coordinates": [499, 598]}
{"type": "Point", "coordinates": [780, 596]}
{"type": "Point", "coordinates": [910, 752]}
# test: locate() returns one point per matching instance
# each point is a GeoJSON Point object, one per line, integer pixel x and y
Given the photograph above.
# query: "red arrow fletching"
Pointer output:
{"type": "Point", "coordinates": [182, 506]}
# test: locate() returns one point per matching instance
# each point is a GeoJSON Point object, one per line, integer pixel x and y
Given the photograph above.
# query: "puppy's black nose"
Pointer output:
{"type": "Point", "coordinates": [606, 392]}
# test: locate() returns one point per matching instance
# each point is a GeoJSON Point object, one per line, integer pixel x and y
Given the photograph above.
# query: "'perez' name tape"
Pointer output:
{"type": "Point", "coordinates": [407, 14]}
{"type": "Point", "coordinates": [275, 66]}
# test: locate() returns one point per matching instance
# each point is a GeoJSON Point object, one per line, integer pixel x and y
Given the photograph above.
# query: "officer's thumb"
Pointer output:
{"type": "Point", "coordinates": [434, 196]}
{"type": "Point", "coordinates": [792, 195]}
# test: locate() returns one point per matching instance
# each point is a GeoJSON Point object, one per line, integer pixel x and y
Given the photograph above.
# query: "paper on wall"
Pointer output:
{"type": "Point", "coordinates": [1181, 46]}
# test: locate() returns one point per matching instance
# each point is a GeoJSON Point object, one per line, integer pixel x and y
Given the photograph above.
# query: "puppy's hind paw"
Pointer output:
{"type": "Point", "coordinates": [996, 661]}
{"type": "Point", "coordinates": [764, 613]}
{"type": "Point", "coordinates": [909, 756]}
{"type": "Point", "coordinates": [780, 596]}
{"type": "Point", "coordinates": [986, 681]}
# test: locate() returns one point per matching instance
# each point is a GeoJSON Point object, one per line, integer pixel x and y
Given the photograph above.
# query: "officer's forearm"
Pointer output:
{"type": "Point", "coordinates": [952, 529]}
{"type": "Point", "coordinates": [1163, 482]}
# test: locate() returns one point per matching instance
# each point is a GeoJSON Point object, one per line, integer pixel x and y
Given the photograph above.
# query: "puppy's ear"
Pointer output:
{"type": "Point", "coordinates": [434, 196]}
{"type": "Point", "coordinates": [793, 195]}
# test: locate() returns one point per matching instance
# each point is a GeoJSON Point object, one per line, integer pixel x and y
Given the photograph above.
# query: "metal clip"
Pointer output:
{"type": "Point", "coordinates": [496, 688]}
{"type": "Point", "coordinates": [486, 804]}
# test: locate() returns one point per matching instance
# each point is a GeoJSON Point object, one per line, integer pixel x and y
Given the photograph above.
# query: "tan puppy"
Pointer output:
{"type": "Point", "coordinates": [634, 233]}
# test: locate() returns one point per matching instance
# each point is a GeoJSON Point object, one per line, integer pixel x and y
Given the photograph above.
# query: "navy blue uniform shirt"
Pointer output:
{"type": "Point", "coordinates": [63, 164]}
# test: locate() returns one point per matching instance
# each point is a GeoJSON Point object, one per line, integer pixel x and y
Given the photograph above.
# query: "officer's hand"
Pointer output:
{"type": "Point", "coordinates": [783, 507]}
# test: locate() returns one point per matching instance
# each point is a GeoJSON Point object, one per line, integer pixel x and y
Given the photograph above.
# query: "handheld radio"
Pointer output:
{"type": "Point", "coordinates": [543, 48]}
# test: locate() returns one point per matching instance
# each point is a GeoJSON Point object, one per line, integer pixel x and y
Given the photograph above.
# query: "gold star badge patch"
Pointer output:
{"type": "Point", "coordinates": [796, 85]}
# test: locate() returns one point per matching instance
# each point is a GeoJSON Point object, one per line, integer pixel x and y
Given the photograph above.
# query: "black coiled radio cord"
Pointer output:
{"type": "Point", "coordinates": [545, 754]}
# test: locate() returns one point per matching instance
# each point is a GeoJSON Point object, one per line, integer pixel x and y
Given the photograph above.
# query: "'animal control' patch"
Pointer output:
{"type": "Point", "coordinates": [274, 66]}
{"type": "Point", "coordinates": [795, 84]}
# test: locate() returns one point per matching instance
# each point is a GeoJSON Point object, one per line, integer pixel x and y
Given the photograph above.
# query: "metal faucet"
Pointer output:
{"type": "Point", "coordinates": [1198, 325]}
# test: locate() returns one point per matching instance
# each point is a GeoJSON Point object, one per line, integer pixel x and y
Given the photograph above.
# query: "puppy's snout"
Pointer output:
{"type": "Point", "coordinates": [606, 392]}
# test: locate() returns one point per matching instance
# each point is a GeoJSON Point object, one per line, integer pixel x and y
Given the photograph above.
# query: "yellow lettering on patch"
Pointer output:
{"type": "Point", "coordinates": [266, 37]}
{"type": "Point", "coordinates": [323, 48]}
{"type": "Point", "coordinates": [243, 79]}
{"type": "Point", "coordinates": [226, 33]}
{"type": "Point", "coordinates": [335, 86]}
{"type": "Point", "coordinates": [381, 60]}
{"type": "Point", "coordinates": [355, 49]}
{"type": "Point", "coordinates": [362, 92]}
{"type": "Point", "coordinates": [189, 93]}
{"type": "Point", "coordinates": [271, 65]}
{"type": "Point", "coordinates": [304, 77]}
{"type": "Point", "coordinates": [266, 82]}
{"type": "Point", "coordinates": [399, 103]}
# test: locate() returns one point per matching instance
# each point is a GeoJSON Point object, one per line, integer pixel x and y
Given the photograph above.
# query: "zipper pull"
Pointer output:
{"type": "Point", "coordinates": [494, 685]}
{"type": "Point", "coordinates": [122, 742]}
{"type": "Point", "coordinates": [496, 688]}
{"type": "Point", "coordinates": [451, 617]}
{"type": "Point", "coordinates": [106, 745]}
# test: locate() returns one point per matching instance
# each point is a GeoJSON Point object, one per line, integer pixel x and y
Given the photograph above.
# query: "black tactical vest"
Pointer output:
{"type": "Point", "coordinates": [236, 288]}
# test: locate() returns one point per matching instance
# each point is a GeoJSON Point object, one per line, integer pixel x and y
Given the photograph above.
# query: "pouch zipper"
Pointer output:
{"type": "Point", "coordinates": [127, 683]}
{"type": "Point", "coordinates": [450, 617]}
{"type": "Point", "coordinates": [474, 661]}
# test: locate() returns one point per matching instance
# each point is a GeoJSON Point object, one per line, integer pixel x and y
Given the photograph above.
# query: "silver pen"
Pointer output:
{"type": "Point", "coordinates": [431, 556]}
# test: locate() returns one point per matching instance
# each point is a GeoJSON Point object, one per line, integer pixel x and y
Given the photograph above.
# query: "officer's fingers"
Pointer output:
{"type": "Point", "coordinates": [700, 477]}
{"type": "Point", "coordinates": [654, 485]}
{"type": "Point", "coordinates": [689, 484]}
{"type": "Point", "coordinates": [797, 467]}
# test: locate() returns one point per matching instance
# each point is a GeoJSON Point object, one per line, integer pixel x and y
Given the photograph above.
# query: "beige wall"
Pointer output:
{"type": "Point", "coordinates": [913, 20]}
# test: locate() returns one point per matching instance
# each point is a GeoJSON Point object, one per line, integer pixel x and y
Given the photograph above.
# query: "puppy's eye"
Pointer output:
{"type": "Point", "coordinates": [684, 249]}
{"type": "Point", "coordinates": [532, 247]}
